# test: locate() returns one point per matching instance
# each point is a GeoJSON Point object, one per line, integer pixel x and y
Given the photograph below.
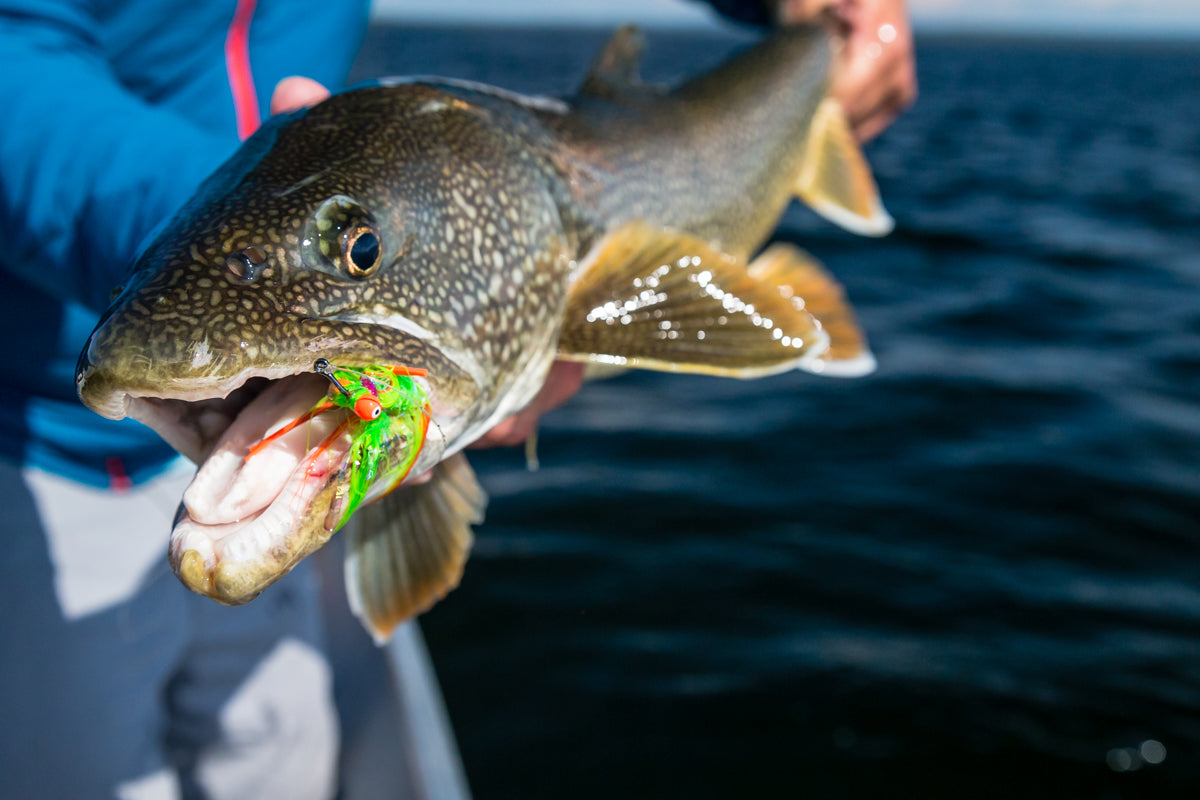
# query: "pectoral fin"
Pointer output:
{"type": "Point", "coordinates": [660, 299]}
{"type": "Point", "coordinates": [803, 282]}
{"type": "Point", "coordinates": [836, 181]}
{"type": "Point", "coordinates": [408, 549]}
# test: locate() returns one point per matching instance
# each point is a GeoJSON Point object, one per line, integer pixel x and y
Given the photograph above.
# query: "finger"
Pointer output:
{"type": "Point", "coordinates": [295, 93]}
{"type": "Point", "coordinates": [511, 430]}
{"type": "Point", "coordinates": [871, 106]}
{"type": "Point", "coordinates": [900, 93]}
{"type": "Point", "coordinates": [872, 83]}
{"type": "Point", "coordinates": [563, 381]}
{"type": "Point", "coordinates": [503, 434]}
{"type": "Point", "coordinates": [874, 74]}
{"type": "Point", "coordinates": [872, 126]}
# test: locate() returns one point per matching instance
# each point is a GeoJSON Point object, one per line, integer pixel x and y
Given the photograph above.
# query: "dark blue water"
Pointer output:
{"type": "Point", "coordinates": [973, 574]}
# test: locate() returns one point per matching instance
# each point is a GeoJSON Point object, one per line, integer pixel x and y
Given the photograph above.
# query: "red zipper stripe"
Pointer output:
{"type": "Point", "coordinates": [237, 66]}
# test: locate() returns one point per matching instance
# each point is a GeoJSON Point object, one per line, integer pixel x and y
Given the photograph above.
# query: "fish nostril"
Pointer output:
{"type": "Point", "coordinates": [246, 264]}
{"type": "Point", "coordinates": [241, 267]}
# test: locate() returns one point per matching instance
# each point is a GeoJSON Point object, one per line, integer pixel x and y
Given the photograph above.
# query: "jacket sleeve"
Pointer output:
{"type": "Point", "coordinates": [87, 168]}
{"type": "Point", "coordinates": [750, 12]}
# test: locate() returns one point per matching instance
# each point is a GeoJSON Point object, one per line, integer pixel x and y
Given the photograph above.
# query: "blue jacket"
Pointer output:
{"type": "Point", "coordinates": [115, 110]}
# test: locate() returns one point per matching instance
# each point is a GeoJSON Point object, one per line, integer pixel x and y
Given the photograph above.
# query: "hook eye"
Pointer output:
{"type": "Point", "coordinates": [322, 367]}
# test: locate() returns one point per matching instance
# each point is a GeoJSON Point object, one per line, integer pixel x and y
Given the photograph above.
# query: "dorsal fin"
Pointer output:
{"type": "Point", "coordinates": [616, 66]}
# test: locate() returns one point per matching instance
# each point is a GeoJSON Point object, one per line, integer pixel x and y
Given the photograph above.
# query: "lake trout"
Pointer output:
{"type": "Point", "coordinates": [369, 285]}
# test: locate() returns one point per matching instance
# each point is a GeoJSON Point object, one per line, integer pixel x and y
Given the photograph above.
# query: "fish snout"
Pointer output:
{"type": "Point", "coordinates": [123, 356]}
{"type": "Point", "coordinates": [102, 371]}
{"type": "Point", "coordinates": [98, 392]}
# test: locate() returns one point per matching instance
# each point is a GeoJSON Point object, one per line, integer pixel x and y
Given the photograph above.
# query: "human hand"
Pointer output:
{"type": "Point", "coordinates": [875, 73]}
{"type": "Point", "coordinates": [562, 383]}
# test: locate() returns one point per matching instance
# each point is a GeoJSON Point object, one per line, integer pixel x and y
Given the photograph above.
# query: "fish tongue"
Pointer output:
{"type": "Point", "coordinates": [232, 485]}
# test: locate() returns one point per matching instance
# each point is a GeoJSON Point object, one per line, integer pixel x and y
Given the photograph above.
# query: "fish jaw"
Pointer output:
{"type": "Point", "coordinates": [245, 522]}
{"type": "Point", "coordinates": [271, 492]}
{"type": "Point", "coordinates": [247, 519]}
{"type": "Point", "coordinates": [189, 389]}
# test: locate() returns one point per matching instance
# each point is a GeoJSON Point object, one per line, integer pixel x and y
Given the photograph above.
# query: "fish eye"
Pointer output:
{"type": "Point", "coordinates": [343, 238]}
{"type": "Point", "coordinates": [361, 252]}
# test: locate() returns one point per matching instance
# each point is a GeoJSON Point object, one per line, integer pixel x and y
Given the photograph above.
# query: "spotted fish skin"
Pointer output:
{"type": "Point", "coordinates": [445, 226]}
{"type": "Point", "coordinates": [717, 156]}
{"type": "Point", "coordinates": [484, 200]}
{"type": "Point", "coordinates": [474, 251]}
{"type": "Point", "coordinates": [252, 283]}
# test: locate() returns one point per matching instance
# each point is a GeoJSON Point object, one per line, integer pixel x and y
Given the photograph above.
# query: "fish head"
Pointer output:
{"type": "Point", "coordinates": [324, 237]}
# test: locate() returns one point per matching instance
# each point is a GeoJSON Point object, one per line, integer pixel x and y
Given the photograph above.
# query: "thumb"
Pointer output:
{"type": "Point", "coordinates": [295, 93]}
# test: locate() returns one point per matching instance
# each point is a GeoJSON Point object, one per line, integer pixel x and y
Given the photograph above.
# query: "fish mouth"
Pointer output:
{"type": "Point", "coordinates": [265, 495]}
{"type": "Point", "coordinates": [254, 510]}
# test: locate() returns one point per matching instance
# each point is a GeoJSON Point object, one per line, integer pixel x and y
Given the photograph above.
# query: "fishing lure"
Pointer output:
{"type": "Point", "coordinates": [386, 404]}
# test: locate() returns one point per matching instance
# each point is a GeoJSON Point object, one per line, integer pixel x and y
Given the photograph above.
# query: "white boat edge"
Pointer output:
{"type": "Point", "coordinates": [434, 752]}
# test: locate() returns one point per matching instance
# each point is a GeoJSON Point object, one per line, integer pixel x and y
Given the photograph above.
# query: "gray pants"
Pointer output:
{"type": "Point", "coordinates": [116, 682]}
